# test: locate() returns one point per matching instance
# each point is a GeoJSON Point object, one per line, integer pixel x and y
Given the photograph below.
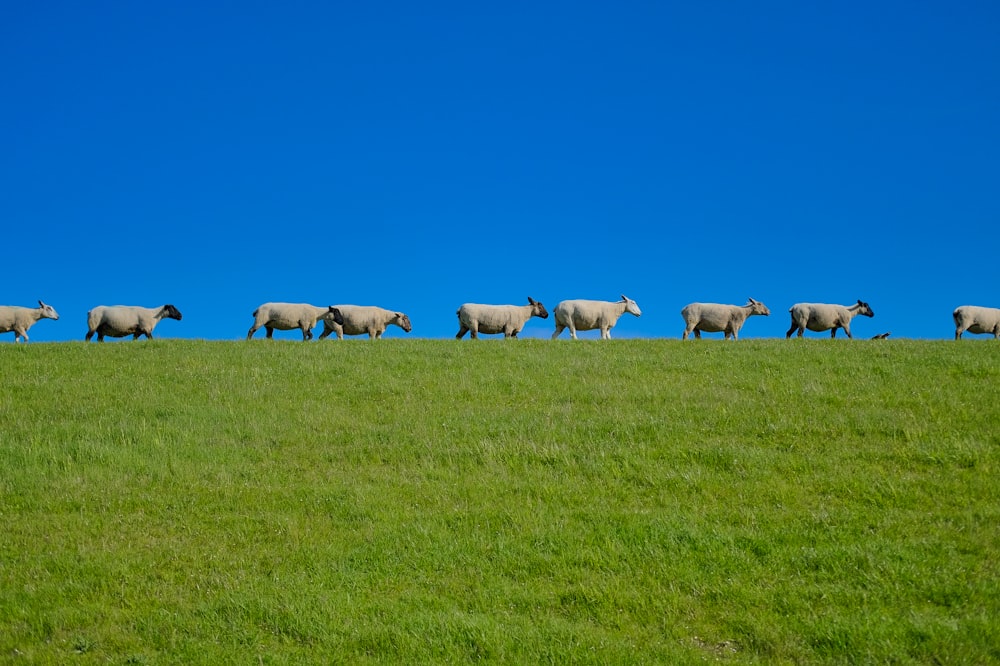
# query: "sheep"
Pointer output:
{"type": "Point", "coordinates": [118, 321]}
{"type": "Point", "coordinates": [976, 319]}
{"type": "Point", "coordinates": [507, 319]}
{"type": "Point", "coordinates": [585, 315]}
{"type": "Point", "coordinates": [19, 319]}
{"type": "Point", "coordinates": [882, 336]}
{"type": "Point", "coordinates": [823, 316]}
{"type": "Point", "coordinates": [715, 318]}
{"type": "Point", "coordinates": [286, 316]}
{"type": "Point", "coordinates": [361, 319]}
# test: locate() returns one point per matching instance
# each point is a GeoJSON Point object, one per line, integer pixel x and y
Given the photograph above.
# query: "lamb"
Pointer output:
{"type": "Point", "coordinates": [715, 318]}
{"type": "Point", "coordinates": [506, 319]}
{"type": "Point", "coordinates": [361, 319]}
{"type": "Point", "coordinates": [118, 321]}
{"type": "Point", "coordinates": [286, 316]}
{"type": "Point", "coordinates": [18, 319]}
{"type": "Point", "coordinates": [585, 315]}
{"type": "Point", "coordinates": [823, 316]}
{"type": "Point", "coordinates": [976, 319]}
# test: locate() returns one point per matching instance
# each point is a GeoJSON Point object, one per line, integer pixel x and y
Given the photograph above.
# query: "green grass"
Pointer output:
{"type": "Point", "coordinates": [415, 501]}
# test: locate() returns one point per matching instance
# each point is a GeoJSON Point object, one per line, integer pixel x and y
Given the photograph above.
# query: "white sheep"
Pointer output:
{"type": "Point", "coordinates": [716, 318]}
{"type": "Point", "coordinates": [824, 316]}
{"type": "Point", "coordinates": [118, 321]}
{"type": "Point", "coordinates": [18, 319]}
{"type": "Point", "coordinates": [361, 319]}
{"type": "Point", "coordinates": [506, 319]}
{"type": "Point", "coordinates": [286, 316]}
{"type": "Point", "coordinates": [582, 315]}
{"type": "Point", "coordinates": [976, 319]}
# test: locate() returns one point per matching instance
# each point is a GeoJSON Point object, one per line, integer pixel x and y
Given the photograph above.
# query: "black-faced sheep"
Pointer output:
{"type": "Point", "coordinates": [118, 321]}
{"type": "Point", "coordinates": [583, 315]}
{"type": "Point", "coordinates": [19, 319]}
{"type": "Point", "coordinates": [976, 319]}
{"type": "Point", "coordinates": [361, 319]}
{"type": "Point", "coordinates": [716, 318]}
{"type": "Point", "coordinates": [476, 318]}
{"type": "Point", "coordinates": [824, 316]}
{"type": "Point", "coordinates": [287, 316]}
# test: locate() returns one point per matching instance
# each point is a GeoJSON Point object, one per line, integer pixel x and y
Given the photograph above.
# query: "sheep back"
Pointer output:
{"type": "Point", "coordinates": [976, 319]}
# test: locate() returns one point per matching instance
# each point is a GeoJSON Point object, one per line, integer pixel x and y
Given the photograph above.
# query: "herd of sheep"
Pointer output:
{"type": "Point", "coordinates": [577, 315]}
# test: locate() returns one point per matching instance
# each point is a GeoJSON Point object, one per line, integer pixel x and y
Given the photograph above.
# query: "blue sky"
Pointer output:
{"type": "Point", "coordinates": [416, 156]}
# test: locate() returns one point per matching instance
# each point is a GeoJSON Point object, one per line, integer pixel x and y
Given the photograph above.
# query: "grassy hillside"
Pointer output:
{"type": "Point", "coordinates": [439, 501]}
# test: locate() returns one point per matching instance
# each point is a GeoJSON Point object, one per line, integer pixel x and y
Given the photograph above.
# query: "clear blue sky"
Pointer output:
{"type": "Point", "coordinates": [217, 155]}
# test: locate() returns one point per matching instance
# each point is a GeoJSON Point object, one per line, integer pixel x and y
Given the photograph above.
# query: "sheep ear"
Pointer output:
{"type": "Point", "coordinates": [40, 303]}
{"type": "Point", "coordinates": [753, 302]}
{"type": "Point", "coordinates": [624, 297]}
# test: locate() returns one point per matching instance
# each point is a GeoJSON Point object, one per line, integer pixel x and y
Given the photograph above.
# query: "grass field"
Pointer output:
{"type": "Point", "coordinates": [427, 501]}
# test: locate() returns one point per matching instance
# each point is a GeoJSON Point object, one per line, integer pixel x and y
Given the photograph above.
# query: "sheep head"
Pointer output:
{"type": "Point", "coordinates": [48, 311]}
{"type": "Point", "coordinates": [334, 314]}
{"type": "Point", "coordinates": [631, 306]}
{"type": "Point", "coordinates": [758, 308]}
{"type": "Point", "coordinates": [537, 309]}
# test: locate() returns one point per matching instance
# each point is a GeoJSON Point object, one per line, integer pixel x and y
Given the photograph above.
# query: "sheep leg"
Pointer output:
{"type": "Point", "coordinates": [90, 334]}
{"type": "Point", "coordinates": [326, 331]}
{"type": "Point", "coordinates": [462, 330]}
{"type": "Point", "coordinates": [792, 330]}
{"type": "Point", "coordinates": [270, 332]}
{"type": "Point", "coordinates": [559, 329]}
